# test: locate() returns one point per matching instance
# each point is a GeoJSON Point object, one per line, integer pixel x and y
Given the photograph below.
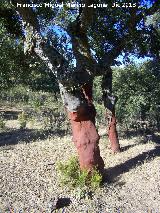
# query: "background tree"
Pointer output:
{"type": "Point", "coordinates": [137, 87]}
{"type": "Point", "coordinates": [16, 67]}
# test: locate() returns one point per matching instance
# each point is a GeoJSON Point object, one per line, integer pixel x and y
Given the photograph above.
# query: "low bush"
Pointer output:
{"type": "Point", "coordinates": [2, 123]}
{"type": "Point", "coordinates": [71, 175]}
{"type": "Point", "coordinates": [22, 118]}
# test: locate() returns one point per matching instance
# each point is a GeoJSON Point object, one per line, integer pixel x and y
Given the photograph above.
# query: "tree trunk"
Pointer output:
{"type": "Point", "coordinates": [85, 135]}
{"type": "Point", "coordinates": [112, 132]}
{"type": "Point", "coordinates": [109, 103]}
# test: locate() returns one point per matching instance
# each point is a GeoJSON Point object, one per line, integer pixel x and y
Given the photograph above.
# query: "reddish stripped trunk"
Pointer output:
{"type": "Point", "coordinates": [85, 136]}
{"type": "Point", "coordinates": [109, 103]}
{"type": "Point", "coordinates": [112, 133]}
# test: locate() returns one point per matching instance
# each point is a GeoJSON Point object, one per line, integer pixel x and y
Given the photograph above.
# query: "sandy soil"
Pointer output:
{"type": "Point", "coordinates": [29, 181]}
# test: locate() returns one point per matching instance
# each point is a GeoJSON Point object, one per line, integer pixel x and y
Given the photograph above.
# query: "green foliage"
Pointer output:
{"type": "Point", "coordinates": [96, 179]}
{"type": "Point", "coordinates": [17, 68]}
{"type": "Point", "coordinates": [2, 121]}
{"type": "Point", "coordinates": [137, 88]}
{"type": "Point", "coordinates": [69, 171]}
{"type": "Point", "coordinates": [73, 176]}
{"type": "Point", "coordinates": [36, 103]}
{"type": "Point", "coordinates": [108, 28]}
{"type": "Point", "coordinates": [11, 60]}
{"type": "Point", "coordinates": [97, 91]}
{"type": "Point", "coordinates": [22, 118]}
{"type": "Point", "coordinates": [98, 102]}
{"type": "Point", "coordinates": [10, 19]}
{"type": "Point", "coordinates": [112, 24]}
{"type": "Point", "coordinates": [100, 116]}
{"type": "Point", "coordinates": [23, 95]}
{"type": "Point", "coordinates": [15, 95]}
{"type": "Point", "coordinates": [41, 107]}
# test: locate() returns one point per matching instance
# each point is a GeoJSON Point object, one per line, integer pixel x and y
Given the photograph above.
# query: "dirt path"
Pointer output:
{"type": "Point", "coordinates": [29, 181]}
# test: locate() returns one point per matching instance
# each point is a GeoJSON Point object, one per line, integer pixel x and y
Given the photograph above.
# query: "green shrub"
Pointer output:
{"type": "Point", "coordinates": [100, 116]}
{"type": "Point", "coordinates": [72, 175]}
{"type": "Point", "coordinates": [22, 118]}
{"type": "Point", "coordinates": [137, 89]}
{"type": "Point", "coordinates": [2, 123]}
{"type": "Point", "coordinates": [96, 179]}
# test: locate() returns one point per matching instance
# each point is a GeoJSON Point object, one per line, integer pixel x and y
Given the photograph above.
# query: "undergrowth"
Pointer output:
{"type": "Point", "coordinates": [22, 118]}
{"type": "Point", "coordinates": [73, 176]}
{"type": "Point", "coordinates": [2, 121]}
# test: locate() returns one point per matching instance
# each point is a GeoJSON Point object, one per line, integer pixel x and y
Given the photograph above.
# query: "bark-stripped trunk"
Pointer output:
{"type": "Point", "coordinates": [109, 103]}
{"type": "Point", "coordinates": [85, 135]}
{"type": "Point", "coordinates": [75, 86]}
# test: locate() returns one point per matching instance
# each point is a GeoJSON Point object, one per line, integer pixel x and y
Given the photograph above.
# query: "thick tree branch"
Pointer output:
{"type": "Point", "coordinates": [34, 42]}
{"type": "Point", "coordinates": [26, 13]}
{"type": "Point", "coordinates": [70, 81]}
{"type": "Point", "coordinates": [86, 14]}
{"type": "Point", "coordinates": [147, 12]}
{"type": "Point", "coordinates": [122, 42]}
{"type": "Point", "coordinates": [78, 32]}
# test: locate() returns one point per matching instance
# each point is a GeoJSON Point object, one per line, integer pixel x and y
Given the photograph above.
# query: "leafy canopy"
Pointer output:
{"type": "Point", "coordinates": [133, 27]}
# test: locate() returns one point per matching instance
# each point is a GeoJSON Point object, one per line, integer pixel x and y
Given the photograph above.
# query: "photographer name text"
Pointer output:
{"type": "Point", "coordinates": [77, 5]}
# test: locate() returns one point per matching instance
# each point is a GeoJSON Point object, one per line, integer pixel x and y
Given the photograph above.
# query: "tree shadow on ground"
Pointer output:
{"type": "Point", "coordinates": [10, 114]}
{"type": "Point", "coordinates": [146, 138]}
{"type": "Point", "coordinates": [156, 138]}
{"type": "Point", "coordinates": [14, 136]}
{"type": "Point", "coordinates": [125, 148]}
{"type": "Point", "coordinates": [111, 174]}
{"type": "Point", "coordinates": [129, 134]}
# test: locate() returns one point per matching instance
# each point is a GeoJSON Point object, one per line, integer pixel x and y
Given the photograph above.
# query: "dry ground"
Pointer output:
{"type": "Point", "coordinates": [29, 181]}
